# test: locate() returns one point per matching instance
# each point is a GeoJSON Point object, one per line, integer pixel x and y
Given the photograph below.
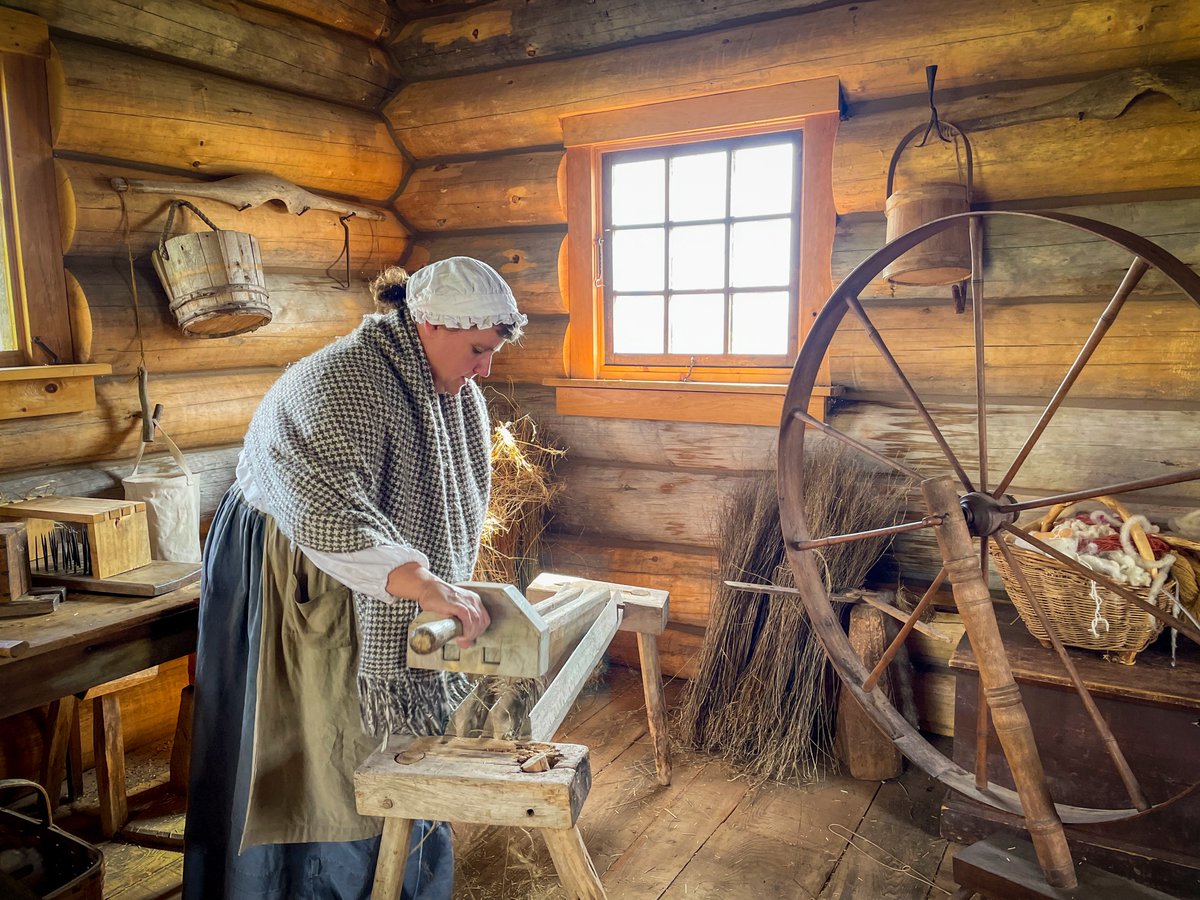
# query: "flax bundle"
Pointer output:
{"type": "Point", "coordinates": [765, 695]}
{"type": "Point", "coordinates": [522, 490]}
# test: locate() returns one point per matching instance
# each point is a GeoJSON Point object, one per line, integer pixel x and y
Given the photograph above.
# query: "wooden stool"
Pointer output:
{"type": "Point", "coordinates": [479, 781]}
{"type": "Point", "coordinates": [107, 740]}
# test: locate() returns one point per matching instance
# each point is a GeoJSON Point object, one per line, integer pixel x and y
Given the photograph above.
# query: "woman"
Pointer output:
{"type": "Point", "coordinates": [360, 495]}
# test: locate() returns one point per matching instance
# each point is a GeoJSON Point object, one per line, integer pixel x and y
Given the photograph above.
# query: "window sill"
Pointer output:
{"type": "Point", "coordinates": [677, 401]}
{"type": "Point", "coordinates": [27, 391]}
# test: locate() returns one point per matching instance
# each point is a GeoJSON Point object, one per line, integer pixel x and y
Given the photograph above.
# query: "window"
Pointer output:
{"type": "Point", "coordinates": [36, 348]}
{"type": "Point", "coordinates": [701, 252]}
{"type": "Point", "coordinates": [700, 234]}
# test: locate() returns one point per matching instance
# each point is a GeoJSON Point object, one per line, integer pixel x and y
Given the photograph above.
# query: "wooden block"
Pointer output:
{"type": "Point", "coordinates": [644, 610]}
{"type": "Point", "coordinates": [35, 603]}
{"type": "Point", "coordinates": [14, 560]}
{"type": "Point", "coordinates": [474, 781]}
{"type": "Point", "coordinates": [13, 649]}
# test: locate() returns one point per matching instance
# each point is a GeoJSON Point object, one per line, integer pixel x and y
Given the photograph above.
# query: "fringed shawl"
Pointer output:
{"type": "Point", "coordinates": [354, 448]}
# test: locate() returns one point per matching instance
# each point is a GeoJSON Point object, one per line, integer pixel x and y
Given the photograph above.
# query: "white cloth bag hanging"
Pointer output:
{"type": "Point", "coordinates": [172, 506]}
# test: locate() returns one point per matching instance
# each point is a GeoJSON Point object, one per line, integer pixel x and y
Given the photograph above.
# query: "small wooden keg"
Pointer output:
{"type": "Point", "coordinates": [213, 279]}
{"type": "Point", "coordinates": [944, 258]}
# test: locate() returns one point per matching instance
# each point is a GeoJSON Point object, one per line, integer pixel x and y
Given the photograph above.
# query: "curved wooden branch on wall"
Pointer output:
{"type": "Point", "coordinates": [247, 191]}
{"type": "Point", "coordinates": [1106, 98]}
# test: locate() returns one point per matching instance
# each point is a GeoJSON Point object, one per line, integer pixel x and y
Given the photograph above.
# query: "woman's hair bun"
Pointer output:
{"type": "Point", "coordinates": [388, 288]}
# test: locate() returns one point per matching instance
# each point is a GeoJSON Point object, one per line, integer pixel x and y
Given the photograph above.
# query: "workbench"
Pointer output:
{"type": "Point", "coordinates": [92, 639]}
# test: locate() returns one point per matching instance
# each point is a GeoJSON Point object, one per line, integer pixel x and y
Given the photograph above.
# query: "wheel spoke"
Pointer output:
{"type": "Point", "coordinates": [980, 362]}
{"type": "Point", "coordinates": [905, 630]}
{"type": "Point", "coordinates": [832, 432]}
{"type": "Point", "coordinates": [1074, 565]}
{"type": "Point", "coordinates": [1136, 270]}
{"type": "Point", "coordinates": [877, 340]}
{"type": "Point", "coordinates": [927, 522]}
{"type": "Point", "coordinates": [1124, 487]}
{"type": "Point", "coordinates": [1132, 787]}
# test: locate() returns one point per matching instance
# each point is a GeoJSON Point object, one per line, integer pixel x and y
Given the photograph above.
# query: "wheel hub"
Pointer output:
{"type": "Point", "coordinates": [983, 514]}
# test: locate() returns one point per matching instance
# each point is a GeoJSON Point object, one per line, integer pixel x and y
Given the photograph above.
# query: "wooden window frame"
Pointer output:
{"type": "Point", "coordinates": [40, 376]}
{"type": "Point", "coordinates": [657, 391]}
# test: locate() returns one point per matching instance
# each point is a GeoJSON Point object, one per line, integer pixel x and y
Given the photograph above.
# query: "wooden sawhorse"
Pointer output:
{"type": "Point", "coordinates": [479, 781]}
{"type": "Point", "coordinates": [486, 781]}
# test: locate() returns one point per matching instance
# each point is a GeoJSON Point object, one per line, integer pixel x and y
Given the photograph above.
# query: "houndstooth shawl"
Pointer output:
{"type": "Point", "coordinates": [354, 448]}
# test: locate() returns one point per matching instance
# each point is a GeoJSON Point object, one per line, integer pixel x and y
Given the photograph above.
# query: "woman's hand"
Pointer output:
{"type": "Point", "coordinates": [440, 598]}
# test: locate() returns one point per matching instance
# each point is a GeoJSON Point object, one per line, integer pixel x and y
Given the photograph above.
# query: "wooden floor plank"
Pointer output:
{"type": "Point", "coordinates": [654, 860]}
{"type": "Point", "coordinates": [777, 843]}
{"type": "Point", "coordinates": [896, 849]}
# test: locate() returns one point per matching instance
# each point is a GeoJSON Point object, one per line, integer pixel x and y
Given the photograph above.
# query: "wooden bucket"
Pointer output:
{"type": "Point", "coordinates": [213, 279]}
{"type": "Point", "coordinates": [944, 258]}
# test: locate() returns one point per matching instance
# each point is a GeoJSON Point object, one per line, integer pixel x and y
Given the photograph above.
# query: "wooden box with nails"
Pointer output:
{"type": "Point", "coordinates": [83, 535]}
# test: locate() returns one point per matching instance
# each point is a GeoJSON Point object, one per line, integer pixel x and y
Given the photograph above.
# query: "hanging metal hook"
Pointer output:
{"type": "Point", "coordinates": [935, 124]}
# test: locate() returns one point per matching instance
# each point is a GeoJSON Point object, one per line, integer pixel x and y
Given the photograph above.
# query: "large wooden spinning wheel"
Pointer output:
{"type": "Point", "coordinates": [968, 511]}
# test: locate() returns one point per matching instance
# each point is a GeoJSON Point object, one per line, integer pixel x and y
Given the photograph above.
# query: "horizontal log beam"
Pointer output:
{"type": "Point", "coordinates": [532, 262]}
{"type": "Point", "coordinates": [308, 312]}
{"type": "Point", "coordinates": [870, 47]}
{"type": "Point", "coordinates": [651, 442]}
{"type": "Point", "coordinates": [645, 505]}
{"type": "Point", "coordinates": [515, 190]}
{"type": "Point", "coordinates": [1149, 353]}
{"type": "Point", "coordinates": [371, 19]}
{"type": "Point", "coordinates": [513, 31]}
{"type": "Point", "coordinates": [1025, 258]}
{"type": "Point", "coordinates": [233, 38]}
{"type": "Point", "coordinates": [201, 410]}
{"type": "Point", "coordinates": [312, 241]}
{"type": "Point", "coordinates": [213, 125]}
{"type": "Point", "coordinates": [1151, 146]}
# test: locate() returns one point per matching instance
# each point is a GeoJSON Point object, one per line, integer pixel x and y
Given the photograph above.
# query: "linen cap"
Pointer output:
{"type": "Point", "coordinates": [461, 292]}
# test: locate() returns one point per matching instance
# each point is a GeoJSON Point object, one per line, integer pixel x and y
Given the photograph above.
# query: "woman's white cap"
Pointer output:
{"type": "Point", "coordinates": [461, 292]}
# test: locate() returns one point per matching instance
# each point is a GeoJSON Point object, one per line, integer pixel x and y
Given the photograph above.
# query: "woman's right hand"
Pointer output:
{"type": "Point", "coordinates": [452, 602]}
{"type": "Point", "coordinates": [433, 595]}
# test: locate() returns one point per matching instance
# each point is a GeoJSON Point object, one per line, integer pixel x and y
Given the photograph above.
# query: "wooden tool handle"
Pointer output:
{"type": "Point", "coordinates": [13, 648]}
{"type": "Point", "coordinates": [430, 636]}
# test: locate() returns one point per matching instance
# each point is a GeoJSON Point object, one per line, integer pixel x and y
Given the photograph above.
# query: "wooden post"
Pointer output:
{"type": "Point", "coordinates": [110, 763]}
{"type": "Point", "coordinates": [393, 856]}
{"type": "Point", "coordinates": [573, 864]}
{"type": "Point", "coordinates": [869, 754]}
{"type": "Point", "coordinates": [1009, 719]}
{"type": "Point", "coordinates": [656, 705]}
{"type": "Point", "coordinates": [181, 747]}
{"type": "Point", "coordinates": [54, 760]}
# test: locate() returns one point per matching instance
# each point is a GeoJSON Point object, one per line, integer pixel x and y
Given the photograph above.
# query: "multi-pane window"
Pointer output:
{"type": "Point", "coordinates": [701, 252]}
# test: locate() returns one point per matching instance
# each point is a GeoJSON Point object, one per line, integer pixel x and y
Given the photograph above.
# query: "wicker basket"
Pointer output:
{"type": "Point", "coordinates": [1069, 601]}
{"type": "Point", "coordinates": [45, 861]}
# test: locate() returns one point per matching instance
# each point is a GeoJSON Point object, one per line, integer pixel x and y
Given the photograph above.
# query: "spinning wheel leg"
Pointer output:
{"type": "Point", "coordinates": [1010, 721]}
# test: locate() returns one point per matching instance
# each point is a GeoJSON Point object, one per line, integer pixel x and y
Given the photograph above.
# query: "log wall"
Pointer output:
{"type": "Point", "coordinates": [196, 90]}
{"type": "Point", "coordinates": [1087, 106]}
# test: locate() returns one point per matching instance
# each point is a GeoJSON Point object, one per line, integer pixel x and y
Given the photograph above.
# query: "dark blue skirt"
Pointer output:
{"type": "Point", "coordinates": [222, 743]}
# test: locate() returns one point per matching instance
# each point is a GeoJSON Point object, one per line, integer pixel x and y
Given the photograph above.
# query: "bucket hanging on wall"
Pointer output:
{"type": "Point", "coordinates": [213, 279]}
{"type": "Point", "coordinates": [946, 257]}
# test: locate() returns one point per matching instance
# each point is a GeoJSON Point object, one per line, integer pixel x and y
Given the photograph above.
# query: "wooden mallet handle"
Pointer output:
{"type": "Point", "coordinates": [431, 636]}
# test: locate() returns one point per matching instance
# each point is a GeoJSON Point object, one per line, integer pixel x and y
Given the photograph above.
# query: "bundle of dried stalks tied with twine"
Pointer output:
{"type": "Point", "coordinates": [522, 489]}
{"type": "Point", "coordinates": [765, 695]}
